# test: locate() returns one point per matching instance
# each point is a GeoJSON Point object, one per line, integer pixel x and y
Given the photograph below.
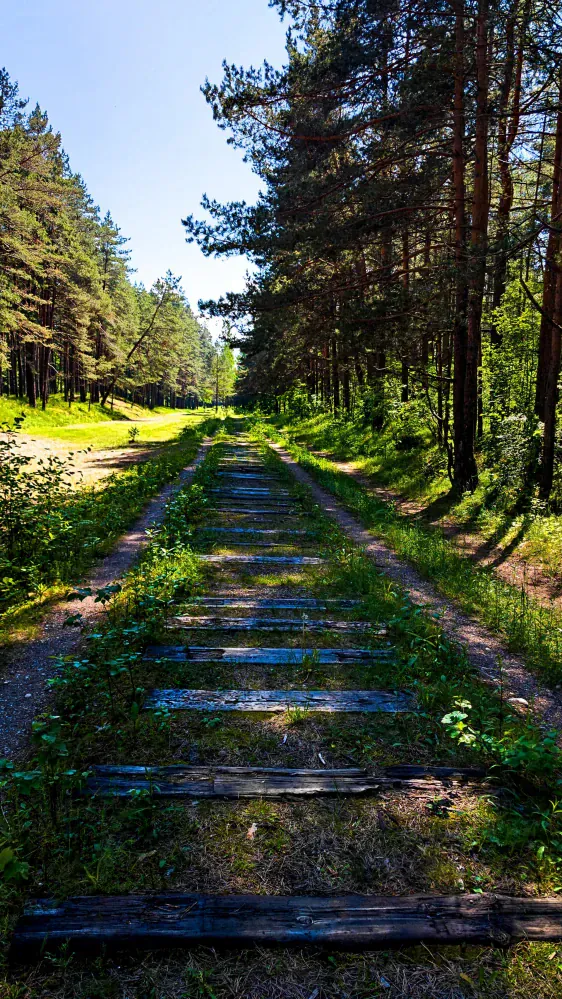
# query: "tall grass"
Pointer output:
{"type": "Point", "coordinates": [526, 625]}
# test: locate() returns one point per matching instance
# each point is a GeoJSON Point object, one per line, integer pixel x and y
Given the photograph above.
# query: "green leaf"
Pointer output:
{"type": "Point", "coordinates": [6, 855]}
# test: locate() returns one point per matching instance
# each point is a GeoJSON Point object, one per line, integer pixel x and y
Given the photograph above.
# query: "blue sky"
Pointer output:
{"type": "Point", "coordinates": [120, 80]}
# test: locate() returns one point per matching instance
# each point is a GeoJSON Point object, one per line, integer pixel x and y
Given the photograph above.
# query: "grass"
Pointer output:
{"type": "Point", "coordinates": [96, 426]}
{"type": "Point", "coordinates": [115, 434]}
{"type": "Point", "coordinates": [526, 625]}
{"type": "Point", "coordinates": [406, 460]}
{"type": "Point", "coordinates": [61, 543]}
{"type": "Point", "coordinates": [59, 413]}
{"type": "Point", "coordinates": [66, 843]}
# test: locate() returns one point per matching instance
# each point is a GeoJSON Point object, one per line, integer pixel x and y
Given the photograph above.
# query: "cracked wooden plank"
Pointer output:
{"type": "Point", "coordinates": [275, 782]}
{"type": "Point", "coordinates": [244, 656]}
{"type": "Point", "coordinates": [193, 623]}
{"type": "Point", "coordinates": [352, 922]}
{"type": "Point", "coordinates": [274, 701]}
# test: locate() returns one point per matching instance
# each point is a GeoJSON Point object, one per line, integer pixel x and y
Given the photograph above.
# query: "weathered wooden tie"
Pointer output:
{"type": "Point", "coordinates": [292, 531]}
{"type": "Point", "coordinates": [264, 559]}
{"type": "Point", "coordinates": [282, 603]}
{"type": "Point", "coordinates": [249, 491]}
{"type": "Point", "coordinates": [273, 701]}
{"type": "Point", "coordinates": [245, 475]}
{"type": "Point", "coordinates": [254, 544]}
{"type": "Point", "coordinates": [271, 502]}
{"type": "Point", "coordinates": [257, 511]}
{"type": "Point", "coordinates": [246, 655]}
{"type": "Point", "coordinates": [275, 782]}
{"type": "Point", "coordinates": [193, 623]}
{"type": "Point", "coordinates": [352, 922]}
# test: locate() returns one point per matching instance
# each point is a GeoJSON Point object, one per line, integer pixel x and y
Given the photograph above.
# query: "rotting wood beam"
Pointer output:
{"type": "Point", "coordinates": [275, 782]}
{"type": "Point", "coordinates": [275, 701]}
{"type": "Point", "coordinates": [281, 603]}
{"type": "Point", "coordinates": [287, 511]}
{"type": "Point", "coordinates": [194, 623]}
{"type": "Point", "coordinates": [270, 657]}
{"type": "Point", "coordinates": [264, 559]}
{"type": "Point", "coordinates": [353, 922]}
{"type": "Point", "coordinates": [258, 530]}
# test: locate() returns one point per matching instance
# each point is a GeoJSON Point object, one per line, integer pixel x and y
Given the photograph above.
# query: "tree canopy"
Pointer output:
{"type": "Point", "coordinates": [407, 239]}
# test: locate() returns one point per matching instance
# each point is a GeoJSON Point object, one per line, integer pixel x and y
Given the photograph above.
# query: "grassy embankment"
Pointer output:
{"type": "Point", "coordinates": [68, 843]}
{"type": "Point", "coordinates": [96, 426]}
{"type": "Point", "coordinates": [57, 529]}
{"type": "Point", "coordinates": [527, 625]}
{"type": "Point", "coordinates": [414, 468]}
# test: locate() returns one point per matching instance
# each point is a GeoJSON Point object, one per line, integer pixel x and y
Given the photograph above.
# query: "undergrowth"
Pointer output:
{"type": "Point", "coordinates": [404, 458]}
{"type": "Point", "coordinates": [525, 624]}
{"type": "Point", "coordinates": [50, 533]}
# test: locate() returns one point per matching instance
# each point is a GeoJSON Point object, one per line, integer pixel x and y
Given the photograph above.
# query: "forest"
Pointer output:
{"type": "Point", "coordinates": [406, 243]}
{"type": "Point", "coordinates": [72, 321]}
{"type": "Point", "coordinates": [281, 611]}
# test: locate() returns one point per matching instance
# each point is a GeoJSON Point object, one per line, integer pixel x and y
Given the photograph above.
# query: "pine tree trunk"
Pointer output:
{"type": "Point", "coordinates": [459, 217]}
{"type": "Point", "coordinates": [335, 377]}
{"type": "Point", "coordinates": [30, 383]}
{"type": "Point", "coordinates": [479, 246]}
{"type": "Point", "coordinates": [552, 314]}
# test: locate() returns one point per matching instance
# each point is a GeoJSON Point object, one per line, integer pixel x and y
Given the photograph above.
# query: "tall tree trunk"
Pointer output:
{"type": "Point", "coordinates": [31, 386]}
{"type": "Point", "coordinates": [551, 395]}
{"type": "Point", "coordinates": [405, 388]}
{"type": "Point", "coordinates": [44, 375]}
{"type": "Point", "coordinates": [335, 377]}
{"type": "Point", "coordinates": [478, 249]}
{"type": "Point", "coordinates": [550, 275]}
{"type": "Point", "coordinates": [21, 375]}
{"type": "Point", "coordinates": [461, 446]}
{"type": "Point", "coordinates": [508, 128]}
{"type": "Point", "coordinates": [552, 313]}
{"type": "Point", "coordinates": [346, 387]}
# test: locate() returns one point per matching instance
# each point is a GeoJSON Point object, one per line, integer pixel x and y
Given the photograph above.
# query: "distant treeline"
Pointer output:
{"type": "Point", "coordinates": [71, 320]}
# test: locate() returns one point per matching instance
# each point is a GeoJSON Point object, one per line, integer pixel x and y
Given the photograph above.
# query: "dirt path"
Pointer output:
{"type": "Point", "coordinates": [506, 563]}
{"type": "Point", "coordinates": [27, 668]}
{"type": "Point", "coordinates": [483, 648]}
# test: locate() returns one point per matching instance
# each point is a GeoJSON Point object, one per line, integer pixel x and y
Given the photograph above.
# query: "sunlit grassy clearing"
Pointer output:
{"type": "Point", "coordinates": [59, 413]}
{"type": "Point", "coordinates": [152, 430]}
{"type": "Point", "coordinates": [97, 426]}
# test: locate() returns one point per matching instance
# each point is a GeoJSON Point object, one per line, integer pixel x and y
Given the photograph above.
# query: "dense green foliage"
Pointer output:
{"type": "Point", "coordinates": [71, 320]}
{"type": "Point", "coordinates": [50, 533]}
{"type": "Point", "coordinates": [407, 239]}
